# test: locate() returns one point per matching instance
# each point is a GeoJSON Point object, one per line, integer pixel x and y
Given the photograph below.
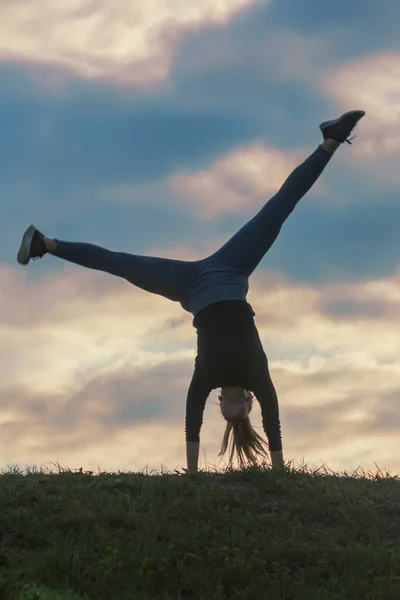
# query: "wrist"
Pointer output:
{"type": "Point", "coordinates": [277, 458]}
{"type": "Point", "coordinates": [192, 456]}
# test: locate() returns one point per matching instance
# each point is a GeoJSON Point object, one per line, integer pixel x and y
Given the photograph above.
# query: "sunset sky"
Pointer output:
{"type": "Point", "coordinates": [159, 128]}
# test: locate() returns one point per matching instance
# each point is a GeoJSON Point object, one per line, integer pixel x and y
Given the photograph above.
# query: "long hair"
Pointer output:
{"type": "Point", "coordinates": [242, 440]}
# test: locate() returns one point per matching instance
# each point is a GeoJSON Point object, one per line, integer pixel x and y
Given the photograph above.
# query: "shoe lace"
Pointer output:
{"type": "Point", "coordinates": [349, 140]}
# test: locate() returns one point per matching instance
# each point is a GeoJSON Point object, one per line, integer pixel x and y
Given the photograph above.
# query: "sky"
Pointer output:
{"type": "Point", "coordinates": [159, 130]}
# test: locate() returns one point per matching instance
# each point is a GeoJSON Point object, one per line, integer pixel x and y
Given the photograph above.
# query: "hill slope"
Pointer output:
{"type": "Point", "coordinates": [246, 535]}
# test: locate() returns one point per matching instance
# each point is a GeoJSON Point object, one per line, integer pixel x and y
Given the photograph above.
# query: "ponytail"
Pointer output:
{"type": "Point", "coordinates": [241, 438]}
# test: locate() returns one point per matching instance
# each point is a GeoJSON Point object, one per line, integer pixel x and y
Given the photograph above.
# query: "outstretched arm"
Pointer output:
{"type": "Point", "coordinates": [198, 392]}
{"type": "Point", "coordinates": [266, 395]}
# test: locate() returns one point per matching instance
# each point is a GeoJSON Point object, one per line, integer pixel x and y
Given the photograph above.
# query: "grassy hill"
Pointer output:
{"type": "Point", "coordinates": [251, 535]}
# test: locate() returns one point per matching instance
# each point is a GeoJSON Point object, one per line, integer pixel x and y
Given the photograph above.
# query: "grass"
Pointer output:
{"type": "Point", "coordinates": [253, 534]}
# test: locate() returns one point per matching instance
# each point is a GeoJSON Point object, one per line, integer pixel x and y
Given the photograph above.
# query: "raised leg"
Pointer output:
{"type": "Point", "coordinates": [244, 251]}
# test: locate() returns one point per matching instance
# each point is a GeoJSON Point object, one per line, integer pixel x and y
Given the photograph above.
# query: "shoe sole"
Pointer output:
{"type": "Point", "coordinates": [23, 253]}
{"type": "Point", "coordinates": [341, 118]}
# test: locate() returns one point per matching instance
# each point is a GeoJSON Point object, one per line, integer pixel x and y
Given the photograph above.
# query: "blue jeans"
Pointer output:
{"type": "Point", "coordinates": [222, 276]}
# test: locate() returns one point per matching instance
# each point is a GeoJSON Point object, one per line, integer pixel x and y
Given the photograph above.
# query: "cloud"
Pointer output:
{"type": "Point", "coordinates": [348, 408]}
{"type": "Point", "coordinates": [220, 100]}
{"type": "Point", "coordinates": [93, 371]}
{"type": "Point", "coordinates": [352, 308]}
{"type": "Point", "coordinates": [99, 39]}
{"type": "Point", "coordinates": [351, 235]}
{"type": "Point", "coordinates": [100, 139]}
{"type": "Point", "coordinates": [239, 180]}
{"type": "Point", "coordinates": [95, 134]}
{"type": "Point", "coordinates": [319, 327]}
{"type": "Point", "coordinates": [235, 181]}
{"type": "Point", "coordinates": [119, 414]}
{"type": "Point", "coordinates": [372, 83]}
{"type": "Point", "coordinates": [75, 328]}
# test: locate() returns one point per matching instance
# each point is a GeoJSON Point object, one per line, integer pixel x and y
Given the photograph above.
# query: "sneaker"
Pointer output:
{"type": "Point", "coordinates": [340, 129]}
{"type": "Point", "coordinates": [32, 246]}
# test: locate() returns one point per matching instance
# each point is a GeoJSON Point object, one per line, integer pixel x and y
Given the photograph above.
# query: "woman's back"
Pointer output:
{"type": "Point", "coordinates": [228, 344]}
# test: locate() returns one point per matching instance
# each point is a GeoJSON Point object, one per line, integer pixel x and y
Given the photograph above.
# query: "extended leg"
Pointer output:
{"type": "Point", "coordinates": [248, 246]}
{"type": "Point", "coordinates": [162, 276]}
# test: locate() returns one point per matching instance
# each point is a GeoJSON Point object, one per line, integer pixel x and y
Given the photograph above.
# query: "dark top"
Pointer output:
{"type": "Point", "coordinates": [230, 353]}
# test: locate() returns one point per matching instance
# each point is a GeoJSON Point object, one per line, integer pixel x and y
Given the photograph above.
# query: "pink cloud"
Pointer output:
{"type": "Point", "coordinates": [96, 371]}
{"type": "Point", "coordinates": [373, 84]}
{"type": "Point", "coordinates": [236, 182]}
{"type": "Point", "coordinates": [118, 40]}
